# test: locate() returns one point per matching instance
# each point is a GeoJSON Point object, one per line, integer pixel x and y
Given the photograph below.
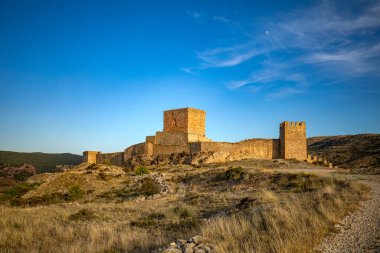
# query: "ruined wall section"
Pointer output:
{"type": "Point", "coordinates": [137, 149]}
{"type": "Point", "coordinates": [293, 140]}
{"type": "Point", "coordinates": [247, 149]}
{"type": "Point", "coordinates": [90, 156]}
{"type": "Point", "coordinates": [116, 158]}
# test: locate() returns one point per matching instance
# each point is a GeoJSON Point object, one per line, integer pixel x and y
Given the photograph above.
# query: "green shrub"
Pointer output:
{"type": "Point", "coordinates": [23, 175]}
{"type": "Point", "coordinates": [107, 162]}
{"type": "Point", "coordinates": [141, 170]}
{"type": "Point", "coordinates": [20, 189]}
{"type": "Point", "coordinates": [46, 199]}
{"type": "Point", "coordinates": [150, 187]}
{"type": "Point", "coordinates": [74, 193]}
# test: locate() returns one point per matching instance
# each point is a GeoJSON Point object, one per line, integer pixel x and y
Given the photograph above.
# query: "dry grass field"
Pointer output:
{"type": "Point", "coordinates": [246, 206]}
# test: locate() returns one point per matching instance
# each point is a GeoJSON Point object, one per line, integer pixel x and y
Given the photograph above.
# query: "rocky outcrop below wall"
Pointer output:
{"type": "Point", "coordinates": [183, 158]}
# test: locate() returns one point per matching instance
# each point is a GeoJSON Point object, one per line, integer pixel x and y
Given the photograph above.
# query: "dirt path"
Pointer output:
{"type": "Point", "coordinates": [360, 231]}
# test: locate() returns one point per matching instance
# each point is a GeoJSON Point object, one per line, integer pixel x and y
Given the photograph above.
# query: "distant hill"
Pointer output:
{"type": "Point", "coordinates": [42, 161]}
{"type": "Point", "coordinates": [361, 152]}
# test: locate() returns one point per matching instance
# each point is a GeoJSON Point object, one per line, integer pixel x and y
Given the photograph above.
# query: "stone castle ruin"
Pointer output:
{"type": "Point", "coordinates": [184, 132]}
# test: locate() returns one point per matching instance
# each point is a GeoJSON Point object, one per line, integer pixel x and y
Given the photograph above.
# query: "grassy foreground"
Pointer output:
{"type": "Point", "coordinates": [240, 209]}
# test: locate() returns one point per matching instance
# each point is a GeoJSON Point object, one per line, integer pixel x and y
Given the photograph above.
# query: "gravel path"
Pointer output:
{"type": "Point", "coordinates": [360, 231]}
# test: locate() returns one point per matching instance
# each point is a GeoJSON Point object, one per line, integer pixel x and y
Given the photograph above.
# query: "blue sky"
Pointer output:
{"type": "Point", "coordinates": [96, 75]}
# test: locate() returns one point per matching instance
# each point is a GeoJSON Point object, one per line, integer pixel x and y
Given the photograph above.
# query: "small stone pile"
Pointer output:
{"type": "Point", "coordinates": [196, 244]}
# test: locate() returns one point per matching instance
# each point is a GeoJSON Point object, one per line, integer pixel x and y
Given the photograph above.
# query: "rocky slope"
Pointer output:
{"type": "Point", "coordinates": [360, 153]}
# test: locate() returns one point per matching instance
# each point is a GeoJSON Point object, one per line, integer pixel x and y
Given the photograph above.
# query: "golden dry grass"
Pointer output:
{"type": "Point", "coordinates": [294, 223]}
{"type": "Point", "coordinates": [247, 210]}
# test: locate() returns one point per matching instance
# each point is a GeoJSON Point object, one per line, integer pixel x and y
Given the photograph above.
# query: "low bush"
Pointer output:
{"type": "Point", "coordinates": [46, 199]}
{"type": "Point", "coordinates": [141, 170]}
{"type": "Point", "coordinates": [20, 189]}
{"type": "Point", "coordinates": [150, 187]}
{"type": "Point", "coordinates": [74, 193]}
{"type": "Point", "coordinates": [157, 216]}
{"type": "Point", "coordinates": [23, 175]}
{"type": "Point", "coordinates": [233, 173]}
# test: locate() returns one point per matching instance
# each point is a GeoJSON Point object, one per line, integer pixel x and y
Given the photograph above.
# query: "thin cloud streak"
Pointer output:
{"type": "Point", "coordinates": [322, 37]}
{"type": "Point", "coordinates": [227, 57]}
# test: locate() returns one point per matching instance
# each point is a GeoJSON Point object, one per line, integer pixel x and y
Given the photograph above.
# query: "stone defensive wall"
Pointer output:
{"type": "Point", "coordinates": [116, 158]}
{"type": "Point", "coordinates": [251, 148]}
{"type": "Point", "coordinates": [184, 131]}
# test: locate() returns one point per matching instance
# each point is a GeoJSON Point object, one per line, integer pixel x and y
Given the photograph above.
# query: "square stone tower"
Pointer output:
{"type": "Point", "coordinates": [293, 140]}
{"type": "Point", "coordinates": [90, 156]}
{"type": "Point", "coordinates": [186, 120]}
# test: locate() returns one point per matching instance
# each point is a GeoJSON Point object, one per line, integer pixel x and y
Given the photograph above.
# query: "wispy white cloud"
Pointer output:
{"type": "Point", "coordinates": [322, 37]}
{"type": "Point", "coordinates": [195, 14]}
{"type": "Point", "coordinates": [222, 19]}
{"type": "Point", "coordinates": [257, 78]}
{"type": "Point", "coordinates": [188, 70]}
{"type": "Point", "coordinates": [227, 57]}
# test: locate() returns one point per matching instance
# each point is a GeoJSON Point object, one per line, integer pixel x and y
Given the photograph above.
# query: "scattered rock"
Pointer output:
{"type": "Point", "coordinates": [196, 244]}
{"type": "Point", "coordinates": [171, 250]}
{"type": "Point", "coordinates": [198, 239]}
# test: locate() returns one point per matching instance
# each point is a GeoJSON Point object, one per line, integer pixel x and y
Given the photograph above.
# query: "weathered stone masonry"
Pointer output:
{"type": "Point", "coordinates": [184, 131]}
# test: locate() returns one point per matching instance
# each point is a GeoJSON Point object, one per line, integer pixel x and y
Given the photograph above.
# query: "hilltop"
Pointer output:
{"type": "Point", "coordinates": [42, 161]}
{"type": "Point", "coordinates": [361, 152]}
